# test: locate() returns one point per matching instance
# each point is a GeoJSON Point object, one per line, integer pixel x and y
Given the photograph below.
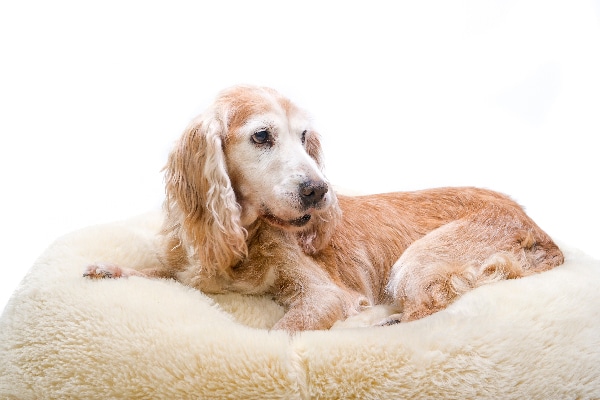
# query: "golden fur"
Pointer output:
{"type": "Point", "coordinates": [248, 209]}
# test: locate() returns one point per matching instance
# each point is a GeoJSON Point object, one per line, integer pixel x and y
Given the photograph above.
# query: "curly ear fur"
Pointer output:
{"type": "Point", "coordinates": [326, 222]}
{"type": "Point", "coordinates": [202, 211]}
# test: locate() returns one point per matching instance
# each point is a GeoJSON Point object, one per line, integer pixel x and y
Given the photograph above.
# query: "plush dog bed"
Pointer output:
{"type": "Point", "coordinates": [63, 336]}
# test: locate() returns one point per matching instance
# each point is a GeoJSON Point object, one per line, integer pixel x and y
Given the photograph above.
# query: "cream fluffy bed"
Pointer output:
{"type": "Point", "coordinates": [62, 336]}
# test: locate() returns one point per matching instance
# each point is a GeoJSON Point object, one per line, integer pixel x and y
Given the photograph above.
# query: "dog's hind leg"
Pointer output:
{"type": "Point", "coordinates": [461, 256]}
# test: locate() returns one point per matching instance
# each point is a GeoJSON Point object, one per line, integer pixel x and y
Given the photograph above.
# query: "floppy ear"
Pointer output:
{"type": "Point", "coordinates": [200, 202]}
{"type": "Point", "coordinates": [317, 236]}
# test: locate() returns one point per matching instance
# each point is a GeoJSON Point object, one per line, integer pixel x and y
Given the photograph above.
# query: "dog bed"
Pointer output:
{"type": "Point", "coordinates": [63, 336]}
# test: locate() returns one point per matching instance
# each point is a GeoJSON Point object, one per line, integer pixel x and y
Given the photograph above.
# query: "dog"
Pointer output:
{"type": "Point", "coordinates": [248, 209]}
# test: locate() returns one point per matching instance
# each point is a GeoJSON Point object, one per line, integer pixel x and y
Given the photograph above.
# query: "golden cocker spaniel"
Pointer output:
{"type": "Point", "coordinates": [249, 210]}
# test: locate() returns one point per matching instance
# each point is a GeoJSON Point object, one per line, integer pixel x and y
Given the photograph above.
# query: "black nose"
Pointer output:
{"type": "Point", "coordinates": [312, 192]}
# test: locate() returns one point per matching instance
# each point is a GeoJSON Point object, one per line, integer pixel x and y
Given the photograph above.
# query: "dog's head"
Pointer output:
{"type": "Point", "coordinates": [252, 156]}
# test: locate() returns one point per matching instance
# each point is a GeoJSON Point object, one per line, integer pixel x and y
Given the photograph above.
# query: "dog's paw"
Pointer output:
{"type": "Point", "coordinates": [103, 271]}
{"type": "Point", "coordinates": [379, 315]}
{"type": "Point", "coordinates": [391, 320]}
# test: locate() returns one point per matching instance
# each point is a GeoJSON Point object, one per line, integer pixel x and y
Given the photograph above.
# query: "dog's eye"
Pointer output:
{"type": "Point", "coordinates": [261, 137]}
{"type": "Point", "coordinates": [303, 136]}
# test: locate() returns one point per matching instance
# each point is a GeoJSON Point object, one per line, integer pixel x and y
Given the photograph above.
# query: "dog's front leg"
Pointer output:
{"type": "Point", "coordinates": [312, 310]}
{"type": "Point", "coordinates": [104, 271]}
{"type": "Point", "coordinates": [312, 299]}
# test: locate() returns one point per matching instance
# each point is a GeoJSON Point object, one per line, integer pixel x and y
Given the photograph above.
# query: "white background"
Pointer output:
{"type": "Point", "coordinates": [408, 95]}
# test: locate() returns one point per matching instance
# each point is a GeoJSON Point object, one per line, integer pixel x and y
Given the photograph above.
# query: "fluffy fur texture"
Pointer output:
{"type": "Point", "coordinates": [64, 337]}
{"type": "Point", "coordinates": [249, 210]}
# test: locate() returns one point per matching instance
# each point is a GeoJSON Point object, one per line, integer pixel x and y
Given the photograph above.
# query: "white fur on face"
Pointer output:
{"type": "Point", "coordinates": [267, 176]}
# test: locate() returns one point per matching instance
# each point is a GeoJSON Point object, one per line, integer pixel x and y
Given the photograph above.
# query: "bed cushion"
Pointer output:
{"type": "Point", "coordinates": [63, 336]}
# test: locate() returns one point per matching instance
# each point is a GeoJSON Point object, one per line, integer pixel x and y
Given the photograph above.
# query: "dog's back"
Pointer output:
{"type": "Point", "coordinates": [422, 249]}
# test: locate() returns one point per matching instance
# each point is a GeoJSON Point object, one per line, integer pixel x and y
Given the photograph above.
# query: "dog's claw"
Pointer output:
{"type": "Point", "coordinates": [98, 274]}
{"type": "Point", "coordinates": [102, 272]}
{"type": "Point", "coordinates": [391, 320]}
